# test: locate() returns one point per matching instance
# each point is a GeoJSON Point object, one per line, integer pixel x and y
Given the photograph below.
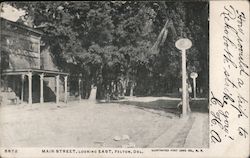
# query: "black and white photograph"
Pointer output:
{"type": "Point", "coordinates": [104, 74]}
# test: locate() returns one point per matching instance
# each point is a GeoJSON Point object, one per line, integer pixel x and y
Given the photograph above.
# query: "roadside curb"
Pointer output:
{"type": "Point", "coordinates": [166, 139]}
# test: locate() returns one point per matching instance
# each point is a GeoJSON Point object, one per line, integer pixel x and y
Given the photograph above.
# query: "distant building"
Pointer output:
{"type": "Point", "coordinates": [26, 75]}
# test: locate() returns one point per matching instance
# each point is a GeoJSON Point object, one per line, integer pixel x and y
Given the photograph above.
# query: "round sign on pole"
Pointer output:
{"type": "Point", "coordinates": [183, 44]}
{"type": "Point", "coordinates": [193, 75]}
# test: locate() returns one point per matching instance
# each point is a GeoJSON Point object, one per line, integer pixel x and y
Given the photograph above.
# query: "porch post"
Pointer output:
{"type": "Point", "coordinates": [13, 84]}
{"type": "Point", "coordinates": [30, 87]}
{"type": "Point", "coordinates": [41, 88]}
{"type": "Point", "coordinates": [5, 83]}
{"type": "Point", "coordinates": [65, 88]}
{"type": "Point", "coordinates": [22, 87]}
{"type": "Point", "coordinates": [57, 89]}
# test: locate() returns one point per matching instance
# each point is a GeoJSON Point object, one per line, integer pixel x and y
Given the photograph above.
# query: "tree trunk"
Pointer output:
{"type": "Point", "coordinates": [188, 100]}
{"type": "Point", "coordinates": [123, 87]}
{"type": "Point", "coordinates": [92, 95]}
{"type": "Point", "coordinates": [132, 90]}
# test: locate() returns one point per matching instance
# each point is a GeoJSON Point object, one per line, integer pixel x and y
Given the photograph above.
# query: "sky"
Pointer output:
{"type": "Point", "coordinates": [10, 12]}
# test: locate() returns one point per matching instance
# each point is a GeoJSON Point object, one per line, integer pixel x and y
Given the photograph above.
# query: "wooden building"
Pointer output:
{"type": "Point", "coordinates": [23, 75]}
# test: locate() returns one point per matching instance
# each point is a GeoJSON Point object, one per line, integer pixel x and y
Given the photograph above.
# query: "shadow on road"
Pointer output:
{"type": "Point", "coordinates": [169, 105]}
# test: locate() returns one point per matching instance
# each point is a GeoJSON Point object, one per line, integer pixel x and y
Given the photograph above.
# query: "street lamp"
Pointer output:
{"type": "Point", "coordinates": [183, 44]}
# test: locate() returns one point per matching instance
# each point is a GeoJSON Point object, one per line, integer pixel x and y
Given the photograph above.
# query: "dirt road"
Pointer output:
{"type": "Point", "coordinates": [91, 124]}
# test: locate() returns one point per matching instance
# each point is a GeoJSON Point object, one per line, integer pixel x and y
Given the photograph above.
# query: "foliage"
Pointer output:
{"type": "Point", "coordinates": [109, 41]}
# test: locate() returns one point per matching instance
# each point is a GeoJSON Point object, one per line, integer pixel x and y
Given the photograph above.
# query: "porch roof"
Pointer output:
{"type": "Point", "coordinates": [49, 73]}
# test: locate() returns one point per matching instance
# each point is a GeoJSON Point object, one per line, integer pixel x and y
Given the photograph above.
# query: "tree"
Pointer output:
{"type": "Point", "coordinates": [110, 42]}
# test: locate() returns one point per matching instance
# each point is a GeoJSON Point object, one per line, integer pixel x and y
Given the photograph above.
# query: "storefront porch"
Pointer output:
{"type": "Point", "coordinates": [26, 77]}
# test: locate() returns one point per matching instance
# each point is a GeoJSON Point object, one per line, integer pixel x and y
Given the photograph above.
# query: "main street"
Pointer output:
{"type": "Point", "coordinates": [135, 122]}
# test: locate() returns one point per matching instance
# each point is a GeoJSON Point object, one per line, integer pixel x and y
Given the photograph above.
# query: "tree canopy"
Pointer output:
{"type": "Point", "coordinates": [110, 41]}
